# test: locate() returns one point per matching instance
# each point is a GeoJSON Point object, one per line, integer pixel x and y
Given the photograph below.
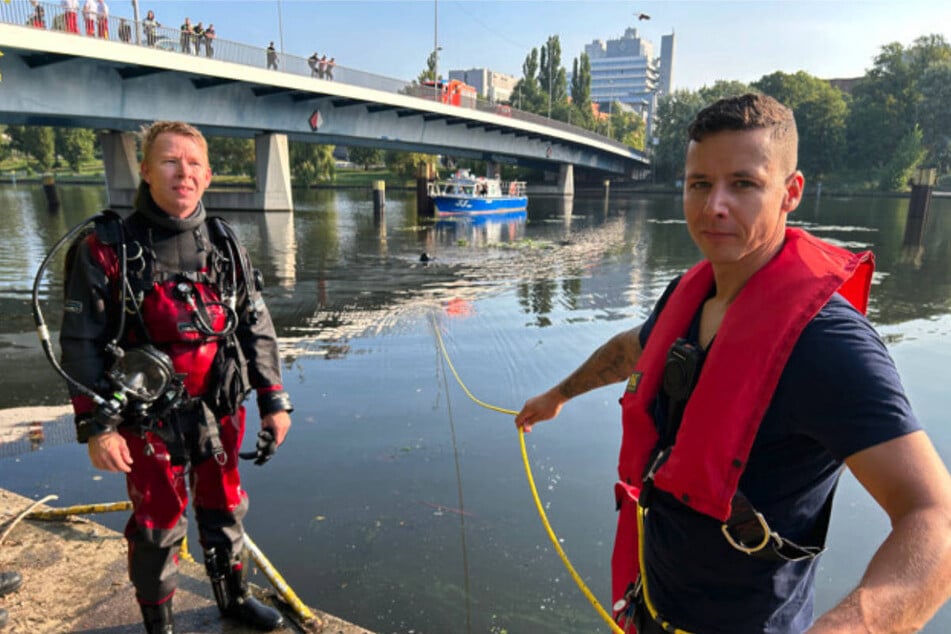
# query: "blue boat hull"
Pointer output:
{"type": "Point", "coordinates": [466, 205]}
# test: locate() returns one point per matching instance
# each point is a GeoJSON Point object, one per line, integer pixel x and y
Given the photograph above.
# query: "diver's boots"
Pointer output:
{"type": "Point", "coordinates": [158, 617]}
{"type": "Point", "coordinates": [232, 594]}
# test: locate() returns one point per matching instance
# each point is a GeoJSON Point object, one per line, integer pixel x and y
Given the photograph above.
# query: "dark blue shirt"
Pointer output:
{"type": "Point", "coordinates": [839, 393]}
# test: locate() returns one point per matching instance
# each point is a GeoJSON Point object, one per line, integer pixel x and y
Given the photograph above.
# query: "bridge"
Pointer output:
{"type": "Point", "coordinates": [122, 78]}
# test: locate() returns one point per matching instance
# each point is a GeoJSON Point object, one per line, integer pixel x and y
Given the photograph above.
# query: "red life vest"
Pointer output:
{"type": "Point", "coordinates": [735, 387]}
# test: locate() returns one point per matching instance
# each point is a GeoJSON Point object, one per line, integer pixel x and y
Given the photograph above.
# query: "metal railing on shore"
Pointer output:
{"type": "Point", "coordinates": [122, 30]}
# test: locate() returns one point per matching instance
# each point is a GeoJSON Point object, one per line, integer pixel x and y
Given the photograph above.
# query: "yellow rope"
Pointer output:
{"type": "Point", "coordinates": [666, 626]}
{"type": "Point", "coordinates": [531, 483]}
{"type": "Point", "coordinates": [309, 620]}
{"type": "Point", "coordinates": [81, 509]}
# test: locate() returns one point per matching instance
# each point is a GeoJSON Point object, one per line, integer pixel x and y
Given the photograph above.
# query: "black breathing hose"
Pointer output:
{"type": "Point", "coordinates": [41, 330]}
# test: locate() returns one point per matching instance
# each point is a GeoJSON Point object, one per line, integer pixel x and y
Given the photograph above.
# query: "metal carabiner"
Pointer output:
{"type": "Point", "coordinates": [749, 550]}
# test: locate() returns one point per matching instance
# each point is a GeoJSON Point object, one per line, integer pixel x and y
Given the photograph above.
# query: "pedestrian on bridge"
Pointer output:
{"type": "Point", "coordinates": [209, 41]}
{"type": "Point", "coordinates": [89, 17]}
{"type": "Point", "coordinates": [198, 37]}
{"type": "Point", "coordinates": [149, 24]}
{"type": "Point", "coordinates": [271, 57]}
{"type": "Point", "coordinates": [125, 31]}
{"type": "Point", "coordinates": [102, 21]}
{"type": "Point", "coordinates": [71, 15]}
{"type": "Point", "coordinates": [38, 19]}
{"type": "Point", "coordinates": [185, 39]}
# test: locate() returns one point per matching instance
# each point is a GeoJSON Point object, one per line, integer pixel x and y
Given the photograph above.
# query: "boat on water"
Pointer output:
{"type": "Point", "coordinates": [465, 194]}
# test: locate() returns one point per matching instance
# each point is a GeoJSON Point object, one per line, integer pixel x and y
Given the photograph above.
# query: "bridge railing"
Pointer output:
{"type": "Point", "coordinates": [122, 30]}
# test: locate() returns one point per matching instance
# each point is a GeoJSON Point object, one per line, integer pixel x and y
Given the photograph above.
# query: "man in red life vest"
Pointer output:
{"type": "Point", "coordinates": [168, 293]}
{"type": "Point", "coordinates": [753, 381]}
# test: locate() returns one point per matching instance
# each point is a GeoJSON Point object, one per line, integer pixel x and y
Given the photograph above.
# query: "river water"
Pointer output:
{"type": "Point", "coordinates": [400, 503]}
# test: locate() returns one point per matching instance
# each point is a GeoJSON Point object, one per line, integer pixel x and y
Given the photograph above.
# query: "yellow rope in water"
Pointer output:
{"type": "Point", "coordinates": [531, 483]}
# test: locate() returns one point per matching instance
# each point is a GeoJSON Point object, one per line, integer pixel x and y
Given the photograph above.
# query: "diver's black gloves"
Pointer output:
{"type": "Point", "coordinates": [265, 448]}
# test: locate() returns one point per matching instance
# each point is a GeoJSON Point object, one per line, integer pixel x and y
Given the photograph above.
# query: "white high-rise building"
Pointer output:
{"type": "Point", "coordinates": [626, 71]}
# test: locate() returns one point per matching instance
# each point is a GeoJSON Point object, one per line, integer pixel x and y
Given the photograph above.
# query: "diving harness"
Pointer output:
{"type": "Point", "coordinates": [143, 387]}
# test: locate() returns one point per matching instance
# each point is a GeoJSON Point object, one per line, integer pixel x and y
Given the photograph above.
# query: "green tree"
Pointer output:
{"type": "Point", "coordinates": [5, 145]}
{"type": "Point", "coordinates": [627, 127]}
{"type": "Point", "coordinates": [674, 114]}
{"type": "Point", "coordinates": [365, 156]}
{"type": "Point", "coordinates": [580, 113]}
{"type": "Point", "coordinates": [311, 162]}
{"type": "Point", "coordinates": [429, 73]}
{"type": "Point", "coordinates": [551, 76]}
{"type": "Point", "coordinates": [821, 115]}
{"type": "Point", "coordinates": [581, 82]}
{"type": "Point", "coordinates": [231, 155]}
{"type": "Point", "coordinates": [934, 114]}
{"type": "Point", "coordinates": [885, 104]}
{"type": "Point", "coordinates": [404, 163]}
{"type": "Point", "coordinates": [909, 152]}
{"type": "Point", "coordinates": [75, 145]}
{"type": "Point", "coordinates": [526, 95]}
{"type": "Point", "coordinates": [36, 142]}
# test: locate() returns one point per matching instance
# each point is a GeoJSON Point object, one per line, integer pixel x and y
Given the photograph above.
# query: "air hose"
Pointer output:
{"type": "Point", "coordinates": [41, 329]}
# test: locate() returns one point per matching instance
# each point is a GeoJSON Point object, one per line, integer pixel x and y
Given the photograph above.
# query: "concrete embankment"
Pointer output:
{"type": "Point", "coordinates": [75, 578]}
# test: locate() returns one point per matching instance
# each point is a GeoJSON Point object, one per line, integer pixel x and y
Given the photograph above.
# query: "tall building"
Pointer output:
{"type": "Point", "coordinates": [626, 71]}
{"type": "Point", "coordinates": [489, 84]}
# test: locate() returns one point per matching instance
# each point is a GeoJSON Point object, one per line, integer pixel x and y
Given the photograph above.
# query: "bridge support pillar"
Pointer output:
{"type": "Point", "coordinates": [121, 167]}
{"type": "Point", "coordinates": [272, 173]}
{"type": "Point", "coordinates": [566, 179]}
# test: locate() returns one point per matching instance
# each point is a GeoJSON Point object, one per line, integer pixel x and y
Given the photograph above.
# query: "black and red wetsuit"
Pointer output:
{"type": "Point", "coordinates": [165, 255]}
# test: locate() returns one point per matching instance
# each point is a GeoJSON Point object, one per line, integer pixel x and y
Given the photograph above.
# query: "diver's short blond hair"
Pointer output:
{"type": "Point", "coordinates": [151, 132]}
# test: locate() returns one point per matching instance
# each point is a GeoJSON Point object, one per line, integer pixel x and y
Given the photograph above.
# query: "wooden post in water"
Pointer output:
{"type": "Point", "coordinates": [921, 185]}
{"type": "Point", "coordinates": [52, 195]}
{"type": "Point", "coordinates": [379, 199]}
{"type": "Point", "coordinates": [425, 173]}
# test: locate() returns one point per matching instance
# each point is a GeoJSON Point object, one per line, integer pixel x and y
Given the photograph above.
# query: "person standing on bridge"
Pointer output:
{"type": "Point", "coordinates": [198, 319]}
{"type": "Point", "coordinates": [271, 56]}
{"type": "Point", "coordinates": [38, 19]}
{"type": "Point", "coordinates": [71, 15]}
{"type": "Point", "coordinates": [753, 382]}
{"type": "Point", "coordinates": [102, 21]}
{"type": "Point", "coordinates": [89, 17]}
{"type": "Point", "coordinates": [198, 37]}
{"type": "Point", "coordinates": [149, 25]}
{"type": "Point", "coordinates": [210, 41]}
{"type": "Point", "coordinates": [312, 62]}
{"type": "Point", "coordinates": [185, 37]}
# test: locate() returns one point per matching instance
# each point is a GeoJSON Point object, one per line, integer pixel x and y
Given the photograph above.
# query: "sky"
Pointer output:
{"type": "Point", "coordinates": [714, 39]}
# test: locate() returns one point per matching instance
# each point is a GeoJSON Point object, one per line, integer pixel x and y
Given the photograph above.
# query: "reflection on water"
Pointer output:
{"type": "Point", "coordinates": [398, 502]}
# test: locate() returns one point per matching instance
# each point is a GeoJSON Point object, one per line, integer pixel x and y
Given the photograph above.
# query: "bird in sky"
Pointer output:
{"type": "Point", "coordinates": [643, 16]}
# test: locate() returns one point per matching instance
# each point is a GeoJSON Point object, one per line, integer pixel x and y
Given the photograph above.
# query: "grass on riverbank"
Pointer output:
{"type": "Point", "coordinates": [92, 172]}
